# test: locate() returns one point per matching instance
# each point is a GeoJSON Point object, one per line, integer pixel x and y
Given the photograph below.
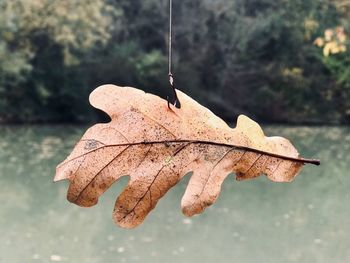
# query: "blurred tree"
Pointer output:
{"type": "Point", "coordinates": [335, 45]}
{"type": "Point", "coordinates": [40, 40]}
{"type": "Point", "coordinates": [235, 56]}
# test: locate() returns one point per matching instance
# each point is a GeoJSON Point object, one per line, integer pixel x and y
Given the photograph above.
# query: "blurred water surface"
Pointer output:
{"type": "Point", "coordinates": [252, 221]}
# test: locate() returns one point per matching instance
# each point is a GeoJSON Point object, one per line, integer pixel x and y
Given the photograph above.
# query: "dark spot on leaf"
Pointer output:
{"type": "Point", "coordinates": [90, 145]}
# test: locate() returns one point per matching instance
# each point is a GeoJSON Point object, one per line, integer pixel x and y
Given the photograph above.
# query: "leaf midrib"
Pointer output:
{"type": "Point", "coordinates": [236, 147]}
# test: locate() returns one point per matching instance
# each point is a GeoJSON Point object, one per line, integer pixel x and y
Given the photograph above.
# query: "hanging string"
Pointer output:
{"type": "Point", "coordinates": [170, 35]}
{"type": "Point", "coordinates": [176, 101]}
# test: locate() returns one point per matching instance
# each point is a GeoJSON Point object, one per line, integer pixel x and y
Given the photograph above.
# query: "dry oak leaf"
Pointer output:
{"type": "Point", "coordinates": [156, 146]}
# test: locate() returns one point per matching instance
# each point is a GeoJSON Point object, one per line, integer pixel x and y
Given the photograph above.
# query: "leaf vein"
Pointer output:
{"type": "Point", "coordinates": [100, 171]}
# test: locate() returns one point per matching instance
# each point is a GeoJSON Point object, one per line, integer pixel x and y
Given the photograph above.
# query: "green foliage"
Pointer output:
{"type": "Point", "coordinates": [339, 67]}
{"type": "Point", "coordinates": [40, 42]}
{"type": "Point", "coordinates": [235, 56]}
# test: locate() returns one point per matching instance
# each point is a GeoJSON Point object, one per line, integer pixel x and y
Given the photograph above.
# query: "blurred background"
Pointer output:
{"type": "Point", "coordinates": [284, 63]}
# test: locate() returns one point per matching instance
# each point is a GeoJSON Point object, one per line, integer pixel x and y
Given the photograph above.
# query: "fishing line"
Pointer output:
{"type": "Point", "coordinates": [176, 101]}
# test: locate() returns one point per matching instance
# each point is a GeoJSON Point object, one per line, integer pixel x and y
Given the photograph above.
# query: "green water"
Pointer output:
{"type": "Point", "coordinates": [252, 221]}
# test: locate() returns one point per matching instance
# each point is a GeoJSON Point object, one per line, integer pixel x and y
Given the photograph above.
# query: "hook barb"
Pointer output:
{"type": "Point", "coordinates": [176, 101]}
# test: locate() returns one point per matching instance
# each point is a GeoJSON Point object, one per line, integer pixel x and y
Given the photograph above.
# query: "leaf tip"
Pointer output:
{"type": "Point", "coordinates": [124, 222]}
{"type": "Point", "coordinates": [249, 126]}
{"type": "Point", "coordinates": [59, 177]}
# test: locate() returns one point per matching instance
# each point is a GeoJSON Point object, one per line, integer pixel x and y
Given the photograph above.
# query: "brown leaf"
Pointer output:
{"type": "Point", "coordinates": [156, 146]}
